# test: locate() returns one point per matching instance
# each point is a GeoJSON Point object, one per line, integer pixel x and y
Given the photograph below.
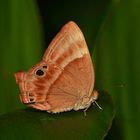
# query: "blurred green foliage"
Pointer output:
{"type": "Point", "coordinates": [117, 66]}
{"type": "Point", "coordinates": [20, 45]}
{"type": "Point", "coordinates": [111, 28]}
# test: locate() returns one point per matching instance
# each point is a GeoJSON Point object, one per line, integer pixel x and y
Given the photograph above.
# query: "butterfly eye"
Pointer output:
{"type": "Point", "coordinates": [39, 72]}
{"type": "Point", "coordinates": [44, 66]}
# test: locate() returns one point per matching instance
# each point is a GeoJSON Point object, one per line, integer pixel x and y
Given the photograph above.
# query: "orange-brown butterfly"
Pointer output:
{"type": "Point", "coordinates": [64, 79]}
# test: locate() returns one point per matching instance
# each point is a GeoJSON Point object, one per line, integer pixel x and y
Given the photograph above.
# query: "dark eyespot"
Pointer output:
{"type": "Point", "coordinates": [39, 72]}
{"type": "Point", "coordinates": [31, 100]}
{"type": "Point", "coordinates": [44, 66]}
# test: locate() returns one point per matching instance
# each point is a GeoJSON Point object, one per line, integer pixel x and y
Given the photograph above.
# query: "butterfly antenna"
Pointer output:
{"type": "Point", "coordinates": [98, 105]}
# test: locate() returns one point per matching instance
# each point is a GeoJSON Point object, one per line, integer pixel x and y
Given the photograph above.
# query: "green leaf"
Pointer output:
{"type": "Point", "coordinates": [32, 124]}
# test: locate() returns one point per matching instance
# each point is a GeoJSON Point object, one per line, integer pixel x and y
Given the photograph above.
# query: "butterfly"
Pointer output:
{"type": "Point", "coordinates": [64, 79]}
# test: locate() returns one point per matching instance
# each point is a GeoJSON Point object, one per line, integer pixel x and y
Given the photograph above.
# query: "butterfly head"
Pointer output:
{"type": "Point", "coordinates": [32, 84]}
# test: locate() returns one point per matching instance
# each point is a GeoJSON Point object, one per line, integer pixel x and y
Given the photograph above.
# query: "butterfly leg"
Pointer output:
{"type": "Point", "coordinates": [41, 106]}
{"type": "Point", "coordinates": [92, 99]}
{"type": "Point", "coordinates": [95, 97]}
{"type": "Point", "coordinates": [98, 105]}
{"type": "Point", "coordinates": [85, 114]}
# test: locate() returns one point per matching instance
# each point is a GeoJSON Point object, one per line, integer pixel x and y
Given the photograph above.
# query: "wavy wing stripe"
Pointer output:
{"type": "Point", "coordinates": [68, 44]}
